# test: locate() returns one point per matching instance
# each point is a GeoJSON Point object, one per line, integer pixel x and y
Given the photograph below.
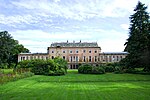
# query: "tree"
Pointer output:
{"type": "Point", "coordinates": [9, 49]}
{"type": "Point", "coordinates": [13, 58]}
{"type": "Point", "coordinates": [138, 42]}
{"type": "Point", "coordinates": [6, 46]}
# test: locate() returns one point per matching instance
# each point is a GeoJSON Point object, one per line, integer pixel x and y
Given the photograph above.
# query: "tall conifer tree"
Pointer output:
{"type": "Point", "coordinates": [138, 42]}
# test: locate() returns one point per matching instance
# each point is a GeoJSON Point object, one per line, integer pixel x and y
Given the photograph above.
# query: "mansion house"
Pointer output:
{"type": "Point", "coordinates": [76, 53]}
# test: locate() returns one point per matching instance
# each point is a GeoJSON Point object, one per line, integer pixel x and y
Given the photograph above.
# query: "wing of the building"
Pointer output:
{"type": "Point", "coordinates": [75, 53]}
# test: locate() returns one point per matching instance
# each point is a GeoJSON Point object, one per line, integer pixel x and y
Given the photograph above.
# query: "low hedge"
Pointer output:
{"type": "Point", "coordinates": [89, 69]}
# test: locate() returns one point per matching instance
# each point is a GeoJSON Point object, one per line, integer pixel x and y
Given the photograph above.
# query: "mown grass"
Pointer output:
{"type": "Point", "coordinates": [74, 86]}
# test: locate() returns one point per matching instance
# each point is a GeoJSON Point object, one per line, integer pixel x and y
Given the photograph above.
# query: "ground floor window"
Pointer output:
{"type": "Point", "coordinates": [52, 57]}
{"type": "Point", "coordinates": [64, 57]}
{"type": "Point", "coordinates": [74, 66]}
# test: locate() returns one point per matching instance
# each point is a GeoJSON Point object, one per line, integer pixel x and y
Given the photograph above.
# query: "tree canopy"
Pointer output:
{"type": "Point", "coordinates": [9, 49]}
{"type": "Point", "coordinates": [138, 43]}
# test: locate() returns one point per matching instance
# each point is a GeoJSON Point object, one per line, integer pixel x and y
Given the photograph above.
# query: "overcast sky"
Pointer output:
{"type": "Point", "coordinates": [38, 23]}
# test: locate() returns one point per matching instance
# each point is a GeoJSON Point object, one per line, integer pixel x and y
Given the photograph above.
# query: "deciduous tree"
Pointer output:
{"type": "Point", "coordinates": [9, 49]}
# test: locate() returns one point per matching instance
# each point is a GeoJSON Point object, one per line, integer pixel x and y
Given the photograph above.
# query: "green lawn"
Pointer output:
{"type": "Point", "coordinates": [74, 86]}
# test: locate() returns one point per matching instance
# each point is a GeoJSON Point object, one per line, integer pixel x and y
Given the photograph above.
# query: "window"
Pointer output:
{"type": "Point", "coordinates": [117, 58]}
{"type": "Point", "coordinates": [90, 51]}
{"type": "Point", "coordinates": [120, 57]}
{"type": "Point", "coordinates": [71, 58]}
{"type": "Point", "coordinates": [76, 58]}
{"type": "Point", "coordinates": [102, 58]}
{"type": "Point", "coordinates": [22, 58]}
{"type": "Point", "coordinates": [77, 66]}
{"type": "Point", "coordinates": [95, 58]}
{"type": "Point", "coordinates": [77, 51]}
{"type": "Point", "coordinates": [84, 58]}
{"type": "Point", "coordinates": [89, 58]}
{"type": "Point", "coordinates": [110, 59]}
{"type": "Point", "coordinates": [84, 51]}
{"type": "Point", "coordinates": [52, 51]}
{"type": "Point", "coordinates": [106, 58]}
{"type": "Point", "coordinates": [64, 51]}
{"type": "Point", "coordinates": [52, 57]}
{"type": "Point", "coordinates": [70, 66]}
{"type": "Point", "coordinates": [27, 58]}
{"type": "Point", "coordinates": [98, 59]}
{"type": "Point", "coordinates": [95, 51]}
{"type": "Point", "coordinates": [63, 57]}
{"type": "Point", "coordinates": [71, 51]}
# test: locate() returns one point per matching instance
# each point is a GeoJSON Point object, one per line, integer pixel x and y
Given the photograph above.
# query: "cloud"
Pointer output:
{"type": "Point", "coordinates": [37, 38]}
{"type": "Point", "coordinates": [110, 40]}
{"type": "Point", "coordinates": [79, 10]}
{"type": "Point", "coordinates": [17, 19]}
{"type": "Point", "coordinates": [39, 34]}
{"type": "Point", "coordinates": [114, 45]}
{"type": "Point", "coordinates": [42, 11]}
{"type": "Point", "coordinates": [35, 46]}
{"type": "Point", "coordinates": [57, 1]}
{"type": "Point", "coordinates": [37, 24]}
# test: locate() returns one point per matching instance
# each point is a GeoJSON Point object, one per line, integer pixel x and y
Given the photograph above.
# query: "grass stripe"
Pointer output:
{"type": "Point", "coordinates": [74, 86]}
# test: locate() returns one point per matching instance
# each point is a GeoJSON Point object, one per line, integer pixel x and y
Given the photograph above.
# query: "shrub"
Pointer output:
{"type": "Point", "coordinates": [58, 66]}
{"type": "Point", "coordinates": [80, 69]}
{"type": "Point", "coordinates": [130, 70]}
{"type": "Point", "coordinates": [21, 70]}
{"type": "Point", "coordinates": [51, 73]}
{"type": "Point", "coordinates": [98, 70]}
{"type": "Point", "coordinates": [7, 77]}
{"type": "Point", "coordinates": [61, 63]}
{"type": "Point", "coordinates": [89, 69]}
{"type": "Point", "coordinates": [57, 72]}
{"type": "Point", "coordinates": [109, 69]}
{"type": "Point", "coordinates": [113, 64]}
{"type": "Point", "coordinates": [118, 70]}
{"type": "Point", "coordinates": [24, 64]}
{"type": "Point", "coordinates": [60, 72]}
{"type": "Point", "coordinates": [40, 70]}
{"type": "Point", "coordinates": [27, 74]}
{"type": "Point", "coordinates": [3, 66]}
{"type": "Point", "coordinates": [85, 68]}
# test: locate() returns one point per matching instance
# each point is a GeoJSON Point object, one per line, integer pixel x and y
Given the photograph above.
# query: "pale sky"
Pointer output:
{"type": "Point", "coordinates": [38, 23]}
